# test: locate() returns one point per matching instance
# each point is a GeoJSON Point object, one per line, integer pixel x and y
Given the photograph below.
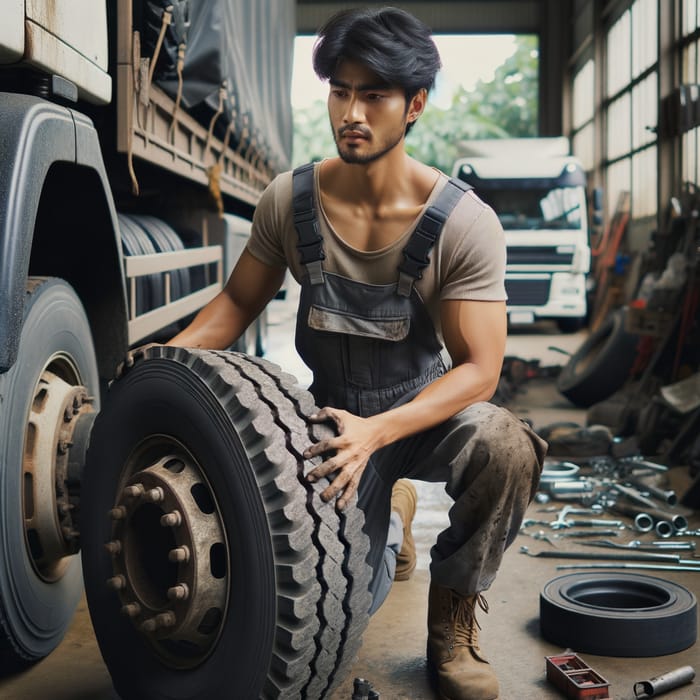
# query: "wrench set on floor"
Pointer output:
{"type": "Point", "coordinates": [590, 493]}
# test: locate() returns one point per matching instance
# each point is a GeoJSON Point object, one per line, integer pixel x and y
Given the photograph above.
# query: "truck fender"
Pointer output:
{"type": "Point", "coordinates": [37, 136]}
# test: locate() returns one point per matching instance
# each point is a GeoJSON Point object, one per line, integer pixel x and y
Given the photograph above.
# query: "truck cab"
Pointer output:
{"type": "Point", "coordinates": [538, 192]}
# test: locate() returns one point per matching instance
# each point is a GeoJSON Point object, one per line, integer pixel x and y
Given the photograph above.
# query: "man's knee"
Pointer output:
{"type": "Point", "coordinates": [505, 434]}
{"type": "Point", "coordinates": [498, 448]}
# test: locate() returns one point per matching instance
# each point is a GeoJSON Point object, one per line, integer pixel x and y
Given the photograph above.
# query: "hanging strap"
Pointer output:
{"type": "Point", "coordinates": [416, 254]}
{"type": "Point", "coordinates": [310, 245]}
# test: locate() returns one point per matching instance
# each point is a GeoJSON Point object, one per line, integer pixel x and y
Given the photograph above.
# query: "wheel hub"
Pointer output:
{"type": "Point", "coordinates": [170, 562]}
{"type": "Point", "coordinates": [49, 503]}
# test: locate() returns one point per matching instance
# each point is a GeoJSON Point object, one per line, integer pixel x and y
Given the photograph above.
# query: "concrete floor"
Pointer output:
{"type": "Point", "coordinates": [392, 657]}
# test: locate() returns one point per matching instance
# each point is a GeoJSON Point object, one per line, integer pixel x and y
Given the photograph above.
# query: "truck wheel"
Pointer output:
{"type": "Point", "coordinates": [48, 400]}
{"type": "Point", "coordinates": [212, 567]}
{"type": "Point", "coordinates": [601, 364]}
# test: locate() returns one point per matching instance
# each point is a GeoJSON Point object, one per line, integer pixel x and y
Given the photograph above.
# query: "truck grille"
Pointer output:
{"type": "Point", "coordinates": [538, 255]}
{"type": "Point", "coordinates": [527, 292]}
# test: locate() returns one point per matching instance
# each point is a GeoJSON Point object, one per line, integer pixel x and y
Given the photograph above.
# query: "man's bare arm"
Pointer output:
{"type": "Point", "coordinates": [223, 320]}
{"type": "Point", "coordinates": [475, 334]}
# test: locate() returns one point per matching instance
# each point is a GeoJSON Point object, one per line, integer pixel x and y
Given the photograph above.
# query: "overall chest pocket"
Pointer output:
{"type": "Point", "coordinates": [393, 328]}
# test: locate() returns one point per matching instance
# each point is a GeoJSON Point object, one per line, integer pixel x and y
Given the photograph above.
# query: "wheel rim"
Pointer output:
{"type": "Point", "coordinates": [170, 565]}
{"type": "Point", "coordinates": [49, 503]}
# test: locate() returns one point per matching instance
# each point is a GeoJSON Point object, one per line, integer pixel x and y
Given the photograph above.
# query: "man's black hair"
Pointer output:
{"type": "Point", "coordinates": [392, 43]}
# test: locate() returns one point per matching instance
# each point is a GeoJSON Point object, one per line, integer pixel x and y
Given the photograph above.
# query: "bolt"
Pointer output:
{"type": "Point", "coordinates": [166, 619]}
{"type": "Point", "coordinates": [155, 495]}
{"type": "Point", "coordinates": [76, 404]}
{"type": "Point", "coordinates": [63, 446]}
{"type": "Point", "coordinates": [114, 547]}
{"type": "Point", "coordinates": [150, 625]}
{"type": "Point", "coordinates": [179, 592]}
{"type": "Point", "coordinates": [179, 554]}
{"type": "Point", "coordinates": [117, 583]}
{"type": "Point", "coordinates": [65, 507]}
{"type": "Point", "coordinates": [118, 513]}
{"type": "Point", "coordinates": [68, 415]}
{"type": "Point", "coordinates": [69, 533]}
{"type": "Point", "coordinates": [131, 610]}
{"type": "Point", "coordinates": [173, 519]}
{"type": "Point", "coordinates": [134, 491]}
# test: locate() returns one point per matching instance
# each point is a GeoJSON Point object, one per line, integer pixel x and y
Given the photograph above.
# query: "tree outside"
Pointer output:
{"type": "Point", "coordinates": [503, 107]}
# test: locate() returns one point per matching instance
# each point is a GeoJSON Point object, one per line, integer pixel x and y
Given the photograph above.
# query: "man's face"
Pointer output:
{"type": "Point", "coordinates": [368, 117]}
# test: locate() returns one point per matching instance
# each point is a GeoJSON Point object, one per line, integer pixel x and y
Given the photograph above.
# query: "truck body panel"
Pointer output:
{"type": "Point", "coordinates": [538, 192]}
{"type": "Point", "coordinates": [122, 160]}
{"type": "Point", "coordinates": [12, 31]}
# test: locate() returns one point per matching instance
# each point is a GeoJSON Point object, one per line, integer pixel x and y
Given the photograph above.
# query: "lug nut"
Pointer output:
{"type": "Point", "coordinates": [134, 491]}
{"type": "Point", "coordinates": [179, 592]}
{"type": "Point", "coordinates": [114, 547]}
{"type": "Point", "coordinates": [116, 583]}
{"type": "Point", "coordinates": [179, 554]}
{"type": "Point", "coordinates": [63, 446]}
{"type": "Point", "coordinates": [172, 519]}
{"type": "Point", "coordinates": [131, 610]}
{"type": "Point", "coordinates": [166, 619]}
{"type": "Point", "coordinates": [118, 513]}
{"type": "Point", "coordinates": [150, 625]}
{"type": "Point", "coordinates": [155, 495]}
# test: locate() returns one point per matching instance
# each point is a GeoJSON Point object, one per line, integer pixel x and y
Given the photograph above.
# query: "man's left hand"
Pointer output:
{"type": "Point", "coordinates": [355, 442]}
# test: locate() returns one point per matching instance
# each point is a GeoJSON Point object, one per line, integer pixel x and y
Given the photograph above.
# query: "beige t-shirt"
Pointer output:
{"type": "Point", "coordinates": [467, 262]}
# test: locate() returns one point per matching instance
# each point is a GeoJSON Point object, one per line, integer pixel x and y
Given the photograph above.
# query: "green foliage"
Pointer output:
{"type": "Point", "coordinates": [313, 137]}
{"type": "Point", "coordinates": [503, 107]}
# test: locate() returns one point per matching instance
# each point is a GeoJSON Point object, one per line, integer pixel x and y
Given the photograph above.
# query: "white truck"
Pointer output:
{"type": "Point", "coordinates": [538, 191]}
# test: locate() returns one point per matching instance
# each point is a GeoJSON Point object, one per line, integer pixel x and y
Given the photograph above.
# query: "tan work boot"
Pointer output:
{"type": "Point", "coordinates": [453, 646]}
{"type": "Point", "coordinates": [403, 500]}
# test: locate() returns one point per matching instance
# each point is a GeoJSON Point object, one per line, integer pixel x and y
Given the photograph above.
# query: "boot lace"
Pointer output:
{"type": "Point", "coordinates": [466, 625]}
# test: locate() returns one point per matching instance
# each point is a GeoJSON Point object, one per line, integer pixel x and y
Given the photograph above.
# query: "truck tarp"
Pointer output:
{"type": "Point", "coordinates": [246, 47]}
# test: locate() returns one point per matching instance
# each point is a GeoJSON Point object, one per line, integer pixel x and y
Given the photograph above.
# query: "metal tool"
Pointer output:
{"type": "Point", "coordinates": [626, 556]}
{"type": "Point", "coordinates": [648, 567]}
{"type": "Point", "coordinates": [667, 681]}
{"type": "Point", "coordinates": [592, 522]}
{"type": "Point", "coordinates": [587, 533]}
{"type": "Point", "coordinates": [640, 546]}
{"type": "Point", "coordinates": [668, 496]}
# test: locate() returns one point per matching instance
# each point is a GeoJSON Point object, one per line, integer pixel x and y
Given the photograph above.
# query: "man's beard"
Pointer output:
{"type": "Point", "coordinates": [349, 155]}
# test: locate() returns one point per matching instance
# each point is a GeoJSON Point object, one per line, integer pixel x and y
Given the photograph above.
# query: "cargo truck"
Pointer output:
{"type": "Point", "coordinates": [135, 141]}
{"type": "Point", "coordinates": [538, 190]}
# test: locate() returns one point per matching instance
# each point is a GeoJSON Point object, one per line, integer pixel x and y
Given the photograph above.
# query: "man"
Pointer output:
{"type": "Point", "coordinates": [402, 321]}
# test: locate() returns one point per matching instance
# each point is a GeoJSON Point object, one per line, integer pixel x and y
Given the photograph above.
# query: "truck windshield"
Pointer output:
{"type": "Point", "coordinates": [535, 207]}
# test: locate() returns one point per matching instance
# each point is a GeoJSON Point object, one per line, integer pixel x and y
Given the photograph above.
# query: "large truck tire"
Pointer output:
{"type": "Point", "coordinates": [602, 363]}
{"type": "Point", "coordinates": [212, 567]}
{"type": "Point", "coordinates": [45, 398]}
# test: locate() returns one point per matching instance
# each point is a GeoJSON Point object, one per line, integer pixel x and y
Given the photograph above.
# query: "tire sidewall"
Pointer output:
{"type": "Point", "coordinates": [38, 612]}
{"type": "Point", "coordinates": [655, 630]}
{"type": "Point", "coordinates": [610, 352]}
{"type": "Point", "coordinates": [139, 405]}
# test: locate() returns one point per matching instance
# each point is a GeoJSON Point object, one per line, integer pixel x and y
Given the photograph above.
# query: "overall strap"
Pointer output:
{"type": "Point", "coordinates": [416, 254]}
{"type": "Point", "coordinates": [310, 245]}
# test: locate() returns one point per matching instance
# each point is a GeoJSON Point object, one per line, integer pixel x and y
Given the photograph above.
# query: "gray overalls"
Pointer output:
{"type": "Point", "coordinates": [372, 347]}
